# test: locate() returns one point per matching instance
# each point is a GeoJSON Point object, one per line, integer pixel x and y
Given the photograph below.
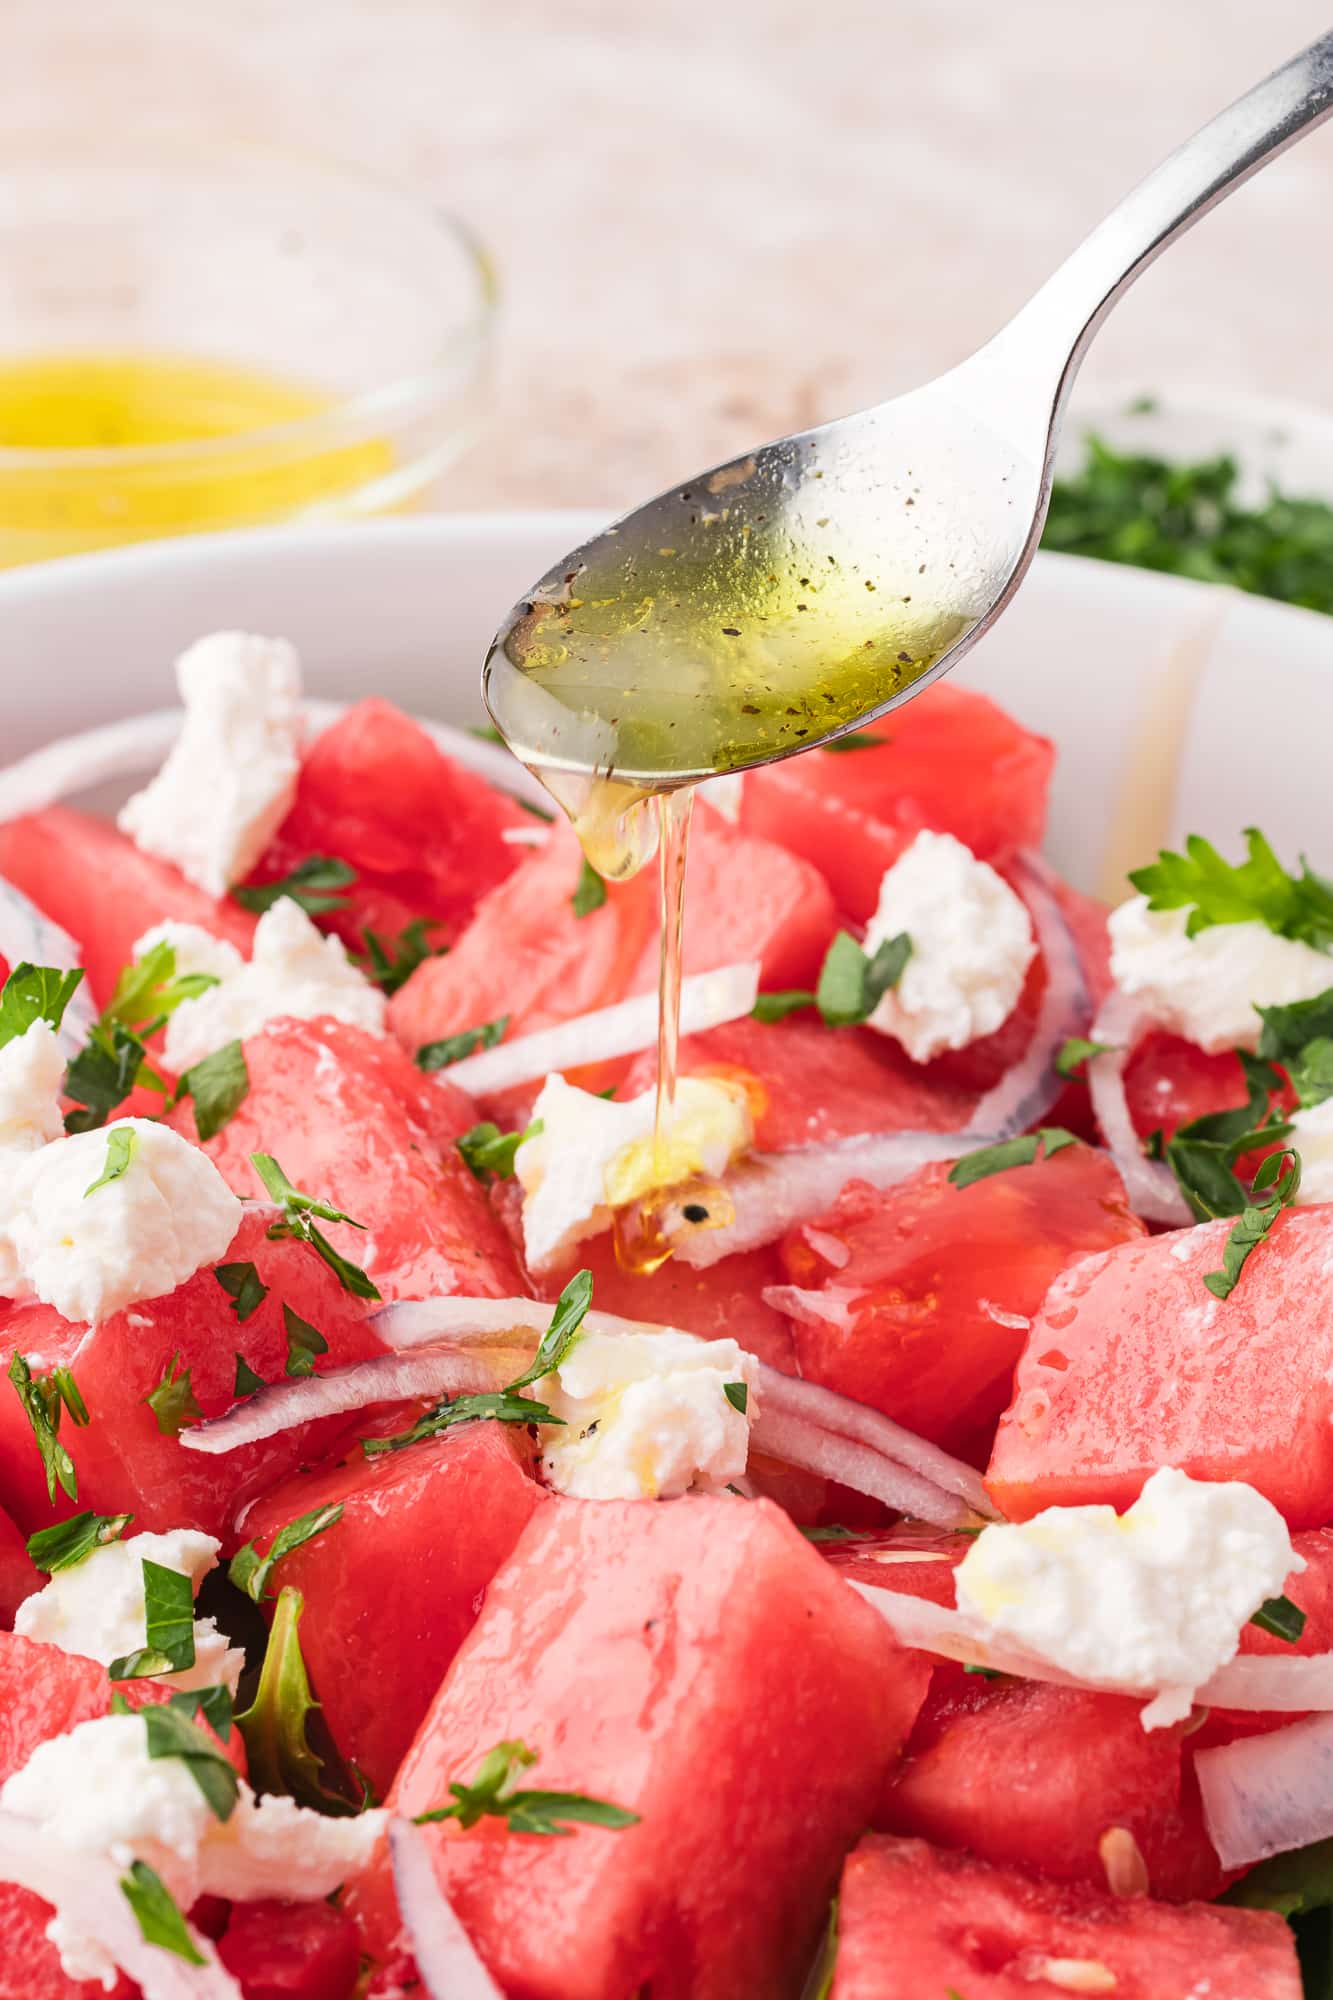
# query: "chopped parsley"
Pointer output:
{"type": "Point", "coordinates": [453, 1048]}
{"type": "Point", "coordinates": [491, 1793]}
{"type": "Point", "coordinates": [275, 1725]}
{"type": "Point", "coordinates": [298, 1220]}
{"type": "Point", "coordinates": [1044, 1144]}
{"type": "Point", "coordinates": [247, 1383]}
{"type": "Point", "coordinates": [488, 1150]}
{"type": "Point", "coordinates": [121, 1145]}
{"type": "Point", "coordinates": [777, 1006]}
{"type": "Point", "coordinates": [316, 884]}
{"type": "Point", "coordinates": [102, 1075]}
{"type": "Point", "coordinates": [69, 1542]}
{"type": "Point", "coordinates": [157, 1913]}
{"type": "Point", "coordinates": [168, 1627]}
{"type": "Point", "coordinates": [1300, 1037]}
{"type": "Point", "coordinates": [173, 1401]}
{"type": "Point", "coordinates": [35, 993]}
{"type": "Point", "coordinates": [1204, 1153]}
{"type": "Point", "coordinates": [172, 1733]}
{"type": "Point", "coordinates": [500, 1407]}
{"type": "Point", "coordinates": [1257, 890]}
{"type": "Point", "coordinates": [114, 1058]}
{"type": "Point", "coordinates": [1281, 1617]}
{"type": "Point", "coordinates": [571, 1309]}
{"type": "Point", "coordinates": [1079, 1050]}
{"type": "Point", "coordinates": [737, 1394]}
{"type": "Point", "coordinates": [590, 893]}
{"type": "Point", "coordinates": [243, 1286]}
{"type": "Point", "coordinates": [217, 1087]}
{"type": "Point", "coordinates": [1277, 1183]}
{"type": "Point", "coordinates": [304, 1343]}
{"type": "Point", "coordinates": [851, 983]}
{"type": "Point", "coordinates": [250, 1571]}
{"type": "Point", "coordinates": [389, 964]}
{"type": "Point", "coordinates": [44, 1399]}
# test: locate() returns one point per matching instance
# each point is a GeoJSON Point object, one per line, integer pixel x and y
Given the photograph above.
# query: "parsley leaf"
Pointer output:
{"type": "Point", "coordinates": [35, 993]}
{"type": "Point", "coordinates": [452, 1049]}
{"type": "Point", "coordinates": [173, 1401]}
{"type": "Point", "coordinates": [171, 1733]}
{"type": "Point", "coordinates": [524, 1811]}
{"type": "Point", "coordinates": [247, 1382]}
{"type": "Point", "coordinates": [737, 1394]}
{"type": "Point", "coordinates": [121, 1146]}
{"type": "Point", "coordinates": [250, 1571]}
{"type": "Point", "coordinates": [315, 884]}
{"type": "Point", "coordinates": [218, 1086]}
{"type": "Point", "coordinates": [304, 1343]}
{"type": "Point", "coordinates": [1203, 1153]}
{"type": "Point", "coordinates": [1287, 1030]}
{"type": "Point", "coordinates": [43, 1398]}
{"type": "Point", "coordinates": [157, 1913]}
{"type": "Point", "coordinates": [1281, 1617]}
{"type": "Point", "coordinates": [1021, 1152]}
{"type": "Point", "coordinates": [590, 893]}
{"type": "Point", "coordinates": [571, 1309]}
{"type": "Point", "coordinates": [851, 985]}
{"type": "Point", "coordinates": [777, 1006]}
{"type": "Point", "coordinates": [503, 1407]}
{"type": "Point", "coordinates": [113, 1058]}
{"type": "Point", "coordinates": [389, 965]}
{"type": "Point", "coordinates": [168, 1627]}
{"type": "Point", "coordinates": [213, 1703]}
{"type": "Point", "coordinates": [102, 1075]}
{"type": "Point", "coordinates": [276, 1724]}
{"type": "Point", "coordinates": [298, 1213]}
{"type": "Point", "coordinates": [243, 1286]}
{"type": "Point", "coordinates": [69, 1542]}
{"type": "Point", "coordinates": [1257, 890]}
{"type": "Point", "coordinates": [1278, 1179]}
{"type": "Point", "coordinates": [488, 1150]}
{"type": "Point", "coordinates": [1079, 1050]}
{"type": "Point", "coordinates": [1311, 1072]}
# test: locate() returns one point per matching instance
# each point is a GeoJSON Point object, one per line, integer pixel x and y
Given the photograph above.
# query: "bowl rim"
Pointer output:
{"type": "Point", "coordinates": [462, 347]}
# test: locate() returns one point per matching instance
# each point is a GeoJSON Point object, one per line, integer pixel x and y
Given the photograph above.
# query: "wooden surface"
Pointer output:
{"type": "Point", "coordinates": [719, 220]}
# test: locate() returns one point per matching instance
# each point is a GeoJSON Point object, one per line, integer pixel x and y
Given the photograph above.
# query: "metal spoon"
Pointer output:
{"type": "Point", "coordinates": [786, 597]}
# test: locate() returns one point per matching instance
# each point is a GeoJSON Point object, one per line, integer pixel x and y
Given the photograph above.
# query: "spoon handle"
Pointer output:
{"type": "Point", "coordinates": [1058, 322]}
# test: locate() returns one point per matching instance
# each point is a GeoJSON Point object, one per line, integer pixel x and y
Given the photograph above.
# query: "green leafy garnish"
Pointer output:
{"type": "Point", "coordinates": [35, 993]}
{"type": "Point", "coordinates": [1311, 1072]}
{"type": "Point", "coordinates": [121, 1146]}
{"type": "Point", "coordinates": [524, 1811]}
{"type": "Point", "coordinates": [836, 1533]}
{"type": "Point", "coordinates": [1288, 1883]}
{"type": "Point", "coordinates": [315, 883]}
{"type": "Point", "coordinates": [851, 985]}
{"type": "Point", "coordinates": [1203, 1154]}
{"type": "Point", "coordinates": [488, 1150]}
{"type": "Point", "coordinates": [501, 1407]}
{"type": "Point", "coordinates": [1278, 1180]}
{"type": "Point", "coordinates": [275, 1726]}
{"type": "Point", "coordinates": [243, 1286]}
{"type": "Point", "coordinates": [44, 1398]}
{"type": "Point", "coordinates": [69, 1542]}
{"type": "Point", "coordinates": [173, 1401]}
{"type": "Point", "coordinates": [856, 739]}
{"type": "Point", "coordinates": [298, 1220]}
{"type": "Point", "coordinates": [102, 1075]}
{"type": "Point", "coordinates": [777, 1006]}
{"type": "Point", "coordinates": [1258, 890]}
{"type": "Point", "coordinates": [171, 1733]}
{"type": "Point", "coordinates": [213, 1703]}
{"type": "Point", "coordinates": [590, 893]}
{"type": "Point", "coordinates": [1300, 1036]}
{"type": "Point", "coordinates": [1079, 1050]}
{"type": "Point", "coordinates": [1021, 1152]}
{"type": "Point", "coordinates": [304, 1343]}
{"type": "Point", "coordinates": [391, 963]}
{"type": "Point", "coordinates": [452, 1048]}
{"type": "Point", "coordinates": [247, 1382]}
{"type": "Point", "coordinates": [114, 1057]}
{"type": "Point", "coordinates": [737, 1394]}
{"type": "Point", "coordinates": [1281, 1617]}
{"type": "Point", "coordinates": [217, 1087]}
{"type": "Point", "coordinates": [168, 1627]}
{"type": "Point", "coordinates": [157, 1913]}
{"type": "Point", "coordinates": [571, 1309]}
{"type": "Point", "coordinates": [250, 1571]}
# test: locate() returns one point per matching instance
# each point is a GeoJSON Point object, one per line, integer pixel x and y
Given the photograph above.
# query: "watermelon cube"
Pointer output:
{"type": "Point", "coordinates": [291, 1951]}
{"type": "Point", "coordinates": [915, 1921]}
{"type": "Point", "coordinates": [696, 1663]}
{"type": "Point", "coordinates": [394, 1587]}
{"type": "Point", "coordinates": [724, 1301]}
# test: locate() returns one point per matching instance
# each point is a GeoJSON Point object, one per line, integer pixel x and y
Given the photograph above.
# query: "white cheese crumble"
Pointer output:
{"type": "Point", "coordinates": [196, 950]}
{"type": "Point", "coordinates": [972, 944]}
{"type": "Point", "coordinates": [136, 1237]}
{"type": "Point", "coordinates": [96, 1607]}
{"type": "Point", "coordinates": [230, 778]}
{"type": "Point", "coordinates": [1312, 1137]}
{"type": "Point", "coordinates": [295, 972]}
{"type": "Point", "coordinates": [1206, 988]}
{"type": "Point", "coordinates": [1152, 1599]}
{"type": "Point", "coordinates": [593, 1156]}
{"type": "Point", "coordinates": [647, 1416]}
{"type": "Point", "coordinates": [32, 1072]}
{"type": "Point", "coordinates": [96, 1791]}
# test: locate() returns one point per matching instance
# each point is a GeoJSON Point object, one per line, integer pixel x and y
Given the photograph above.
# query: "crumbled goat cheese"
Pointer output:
{"type": "Point", "coordinates": [197, 950]}
{"type": "Point", "coordinates": [1206, 988]}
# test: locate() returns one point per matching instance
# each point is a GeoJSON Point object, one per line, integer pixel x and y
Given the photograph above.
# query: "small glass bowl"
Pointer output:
{"type": "Point", "coordinates": [360, 317]}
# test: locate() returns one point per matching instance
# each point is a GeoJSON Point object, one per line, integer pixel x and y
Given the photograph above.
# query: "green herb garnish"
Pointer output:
{"type": "Point", "coordinates": [305, 1343]}
{"type": "Point", "coordinates": [168, 1627]}
{"type": "Point", "coordinates": [1021, 1152]}
{"type": "Point", "coordinates": [243, 1286]}
{"type": "Point", "coordinates": [276, 1724]}
{"type": "Point", "coordinates": [35, 993]}
{"type": "Point", "coordinates": [501, 1407]}
{"type": "Point", "coordinates": [298, 1220]}
{"type": "Point", "coordinates": [69, 1542]}
{"type": "Point", "coordinates": [571, 1309]}
{"type": "Point", "coordinates": [316, 884]}
{"type": "Point", "coordinates": [121, 1146]}
{"type": "Point", "coordinates": [851, 985]}
{"type": "Point", "coordinates": [1281, 1617]}
{"type": "Point", "coordinates": [247, 1383]}
{"type": "Point", "coordinates": [115, 1056]}
{"type": "Point", "coordinates": [250, 1571]}
{"type": "Point", "coordinates": [1278, 1180]}
{"type": "Point", "coordinates": [453, 1048]}
{"type": "Point", "coordinates": [1077, 1051]}
{"type": "Point", "coordinates": [1257, 890]}
{"type": "Point", "coordinates": [44, 1397]}
{"type": "Point", "coordinates": [737, 1394]}
{"type": "Point", "coordinates": [173, 1401]}
{"type": "Point", "coordinates": [218, 1087]}
{"type": "Point", "coordinates": [524, 1811]}
{"type": "Point", "coordinates": [158, 1914]}
{"type": "Point", "coordinates": [391, 963]}
{"type": "Point", "coordinates": [488, 1150]}
{"type": "Point", "coordinates": [171, 1733]}
{"type": "Point", "coordinates": [590, 893]}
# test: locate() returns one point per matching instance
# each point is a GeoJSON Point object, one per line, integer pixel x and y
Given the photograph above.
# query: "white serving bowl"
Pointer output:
{"type": "Point", "coordinates": [1176, 706]}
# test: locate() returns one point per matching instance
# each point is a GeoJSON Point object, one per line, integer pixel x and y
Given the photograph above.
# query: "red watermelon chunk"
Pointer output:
{"type": "Point", "coordinates": [19, 1574]}
{"type": "Point", "coordinates": [723, 1302]}
{"type": "Point", "coordinates": [950, 760]}
{"type": "Point", "coordinates": [1169, 1082]}
{"type": "Point", "coordinates": [350, 1116]}
{"type": "Point", "coordinates": [915, 1923]}
{"type": "Point", "coordinates": [394, 1587]}
{"type": "Point", "coordinates": [95, 883]}
{"type": "Point", "coordinates": [291, 1951]}
{"type": "Point", "coordinates": [1132, 1364]}
{"type": "Point", "coordinates": [424, 834]}
{"type": "Point", "coordinates": [917, 1299]}
{"type": "Point", "coordinates": [124, 1461]}
{"type": "Point", "coordinates": [696, 1663]}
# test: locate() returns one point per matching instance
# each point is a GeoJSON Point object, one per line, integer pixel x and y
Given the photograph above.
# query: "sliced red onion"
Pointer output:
{"type": "Point", "coordinates": [471, 1323]}
{"type": "Point", "coordinates": [27, 935]}
{"type": "Point", "coordinates": [1267, 1794]}
{"type": "Point", "coordinates": [707, 1000]}
{"type": "Point", "coordinates": [85, 1889]}
{"type": "Point", "coordinates": [1150, 1184]}
{"type": "Point", "coordinates": [446, 1958]}
{"type": "Point", "coordinates": [386, 1378]}
{"type": "Point", "coordinates": [1289, 1684]}
{"type": "Point", "coordinates": [1026, 1091]}
{"type": "Point", "coordinates": [793, 1440]}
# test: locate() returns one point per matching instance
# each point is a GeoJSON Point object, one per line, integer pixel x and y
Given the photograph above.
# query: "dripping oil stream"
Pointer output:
{"type": "Point", "coordinates": [674, 810]}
